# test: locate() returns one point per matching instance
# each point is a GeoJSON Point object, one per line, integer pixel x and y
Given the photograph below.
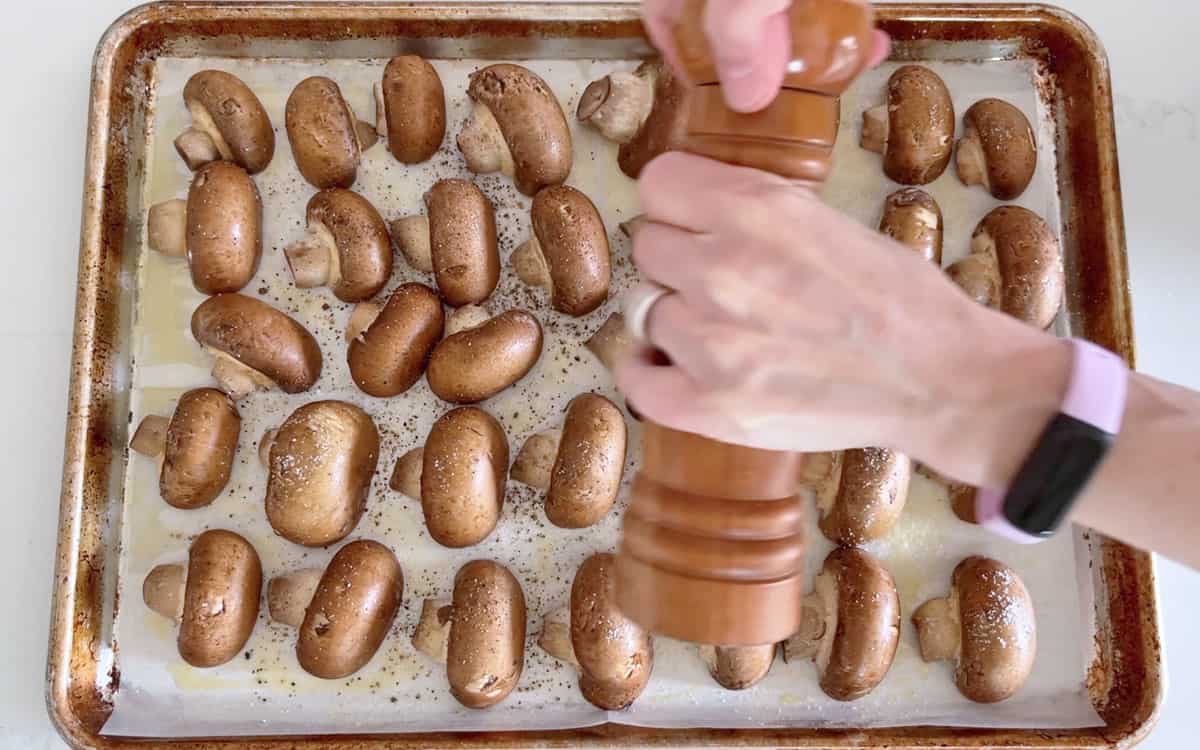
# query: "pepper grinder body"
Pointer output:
{"type": "Point", "coordinates": [713, 548]}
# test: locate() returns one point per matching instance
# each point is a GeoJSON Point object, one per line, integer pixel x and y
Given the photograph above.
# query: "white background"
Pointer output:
{"type": "Point", "coordinates": [45, 61]}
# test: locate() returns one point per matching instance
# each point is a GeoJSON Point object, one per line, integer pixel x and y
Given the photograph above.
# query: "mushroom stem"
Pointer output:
{"type": "Point", "coordinates": [555, 638]}
{"type": "Point", "coordinates": [406, 477]}
{"type": "Point", "coordinates": [288, 595]}
{"type": "Point", "coordinates": [361, 318]}
{"type": "Point", "coordinates": [235, 378]}
{"type": "Point", "coordinates": [166, 228]}
{"type": "Point", "coordinates": [411, 235]}
{"type": "Point", "coordinates": [618, 104]}
{"type": "Point", "coordinates": [380, 110]}
{"type": "Point", "coordinates": [203, 122]}
{"type": "Point", "coordinates": [366, 134]}
{"type": "Point", "coordinates": [816, 468]}
{"type": "Point", "coordinates": [807, 640]}
{"type": "Point", "coordinates": [970, 161]}
{"type": "Point", "coordinates": [151, 436]}
{"type": "Point", "coordinates": [482, 143]}
{"type": "Point", "coordinates": [163, 590]}
{"type": "Point", "coordinates": [611, 343]}
{"type": "Point", "coordinates": [196, 148]}
{"type": "Point", "coordinates": [738, 667]}
{"type": "Point", "coordinates": [978, 274]}
{"type": "Point", "coordinates": [313, 258]}
{"type": "Point", "coordinates": [875, 129]}
{"type": "Point", "coordinates": [264, 447]}
{"type": "Point", "coordinates": [535, 462]}
{"type": "Point", "coordinates": [822, 473]}
{"type": "Point", "coordinates": [465, 318]}
{"type": "Point", "coordinates": [629, 228]}
{"type": "Point", "coordinates": [530, 264]}
{"type": "Point", "coordinates": [432, 634]}
{"type": "Point", "coordinates": [938, 628]}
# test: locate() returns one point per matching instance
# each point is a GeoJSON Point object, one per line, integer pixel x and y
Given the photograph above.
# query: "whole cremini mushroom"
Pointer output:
{"type": "Point", "coordinates": [218, 228]}
{"type": "Point", "coordinates": [986, 626]}
{"type": "Point", "coordinates": [567, 253]}
{"type": "Point", "coordinates": [997, 149]}
{"type": "Point", "coordinates": [345, 247]}
{"type": "Point", "coordinates": [642, 111]}
{"type": "Point", "coordinates": [464, 472]}
{"type": "Point", "coordinates": [850, 624]}
{"type": "Point", "coordinates": [1015, 265]}
{"type": "Point", "coordinates": [860, 493]}
{"type": "Point", "coordinates": [214, 597]}
{"type": "Point", "coordinates": [343, 614]}
{"type": "Point", "coordinates": [477, 362]}
{"type": "Point", "coordinates": [479, 634]}
{"type": "Point", "coordinates": [197, 446]}
{"type": "Point", "coordinates": [228, 124]}
{"type": "Point", "coordinates": [410, 108]}
{"type": "Point", "coordinates": [738, 667]}
{"type": "Point", "coordinates": [456, 240]}
{"type": "Point", "coordinates": [327, 139]}
{"type": "Point", "coordinates": [613, 654]}
{"type": "Point", "coordinates": [580, 466]}
{"type": "Point", "coordinates": [516, 127]}
{"type": "Point", "coordinates": [912, 217]}
{"type": "Point", "coordinates": [390, 344]}
{"type": "Point", "coordinates": [255, 346]}
{"type": "Point", "coordinates": [320, 464]}
{"type": "Point", "coordinates": [914, 130]}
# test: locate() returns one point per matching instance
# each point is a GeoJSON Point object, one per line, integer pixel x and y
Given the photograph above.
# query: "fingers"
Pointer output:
{"type": "Point", "coordinates": [881, 47]}
{"type": "Point", "coordinates": [751, 42]}
{"type": "Point", "coordinates": [671, 257]}
{"type": "Point", "coordinates": [659, 17]}
{"type": "Point", "coordinates": [694, 193]}
{"type": "Point", "coordinates": [668, 396]}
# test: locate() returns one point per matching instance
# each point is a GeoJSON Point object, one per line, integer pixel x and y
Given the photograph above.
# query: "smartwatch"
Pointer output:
{"type": "Point", "coordinates": [1066, 455]}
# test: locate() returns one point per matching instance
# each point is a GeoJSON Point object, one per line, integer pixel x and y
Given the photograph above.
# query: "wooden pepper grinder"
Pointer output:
{"type": "Point", "coordinates": [713, 547]}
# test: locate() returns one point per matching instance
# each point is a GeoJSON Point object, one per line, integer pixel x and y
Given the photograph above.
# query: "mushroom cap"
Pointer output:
{"type": "Point", "coordinates": [868, 625]}
{"type": "Point", "coordinates": [415, 105]}
{"type": "Point", "coordinates": [389, 356]}
{"type": "Point", "coordinates": [531, 121]}
{"type": "Point", "coordinates": [871, 493]}
{"type": "Point", "coordinates": [351, 611]}
{"type": "Point", "coordinates": [999, 631]}
{"type": "Point", "coordinates": [322, 131]}
{"type": "Point", "coordinates": [464, 473]}
{"type": "Point", "coordinates": [200, 446]}
{"type": "Point", "coordinates": [912, 217]}
{"type": "Point", "coordinates": [573, 241]}
{"type": "Point", "coordinates": [224, 228]}
{"type": "Point", "coordinates": [321, 464]}
{"type": "Point", "coordinates": [920, 126]}
{"type": "Point", "coordinates": [1030, 263]}
{"type": "Point", "coordinates": [479, 362]}
{"type": "Point", "coordinates": [363, 246]}
{"type": "Point", "coordinates": [587, 470]}
{"type": "Point", "coordinates": [238, 115]}
{"type": "Point", "coordinates": [220, 601]}
{"type": "Point", "coordinates": [486, 650]}
{"type": "Point", "coordinates": [615, 654]}
{"type": "Point", "coordinates": [1008, 143]}
{"type": "Point", "coordinates": [665, 128]}
{"type": "Point", "coordinates": [260, 337]}
{"type": "Point", "coordinates": [462, 241]}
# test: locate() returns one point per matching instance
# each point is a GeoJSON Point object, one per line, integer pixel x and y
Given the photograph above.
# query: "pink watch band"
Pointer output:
{"type": "Point", "coordinates": [1095, 395]}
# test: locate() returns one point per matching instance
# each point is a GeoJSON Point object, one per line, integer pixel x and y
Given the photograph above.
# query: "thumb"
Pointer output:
{"type": "Point", "coordinates": [750, 40]}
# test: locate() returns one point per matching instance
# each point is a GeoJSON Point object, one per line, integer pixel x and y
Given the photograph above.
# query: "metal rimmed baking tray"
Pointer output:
{"type": "Point", "coordinates": [1125, 680]}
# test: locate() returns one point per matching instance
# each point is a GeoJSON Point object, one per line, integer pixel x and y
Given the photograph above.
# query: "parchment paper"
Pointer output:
{"type": "Point", "coordinates": [264, 691]}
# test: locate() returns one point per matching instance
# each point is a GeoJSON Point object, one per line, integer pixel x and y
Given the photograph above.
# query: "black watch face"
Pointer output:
{"type": "Point", "coordinates": [1054, 474]}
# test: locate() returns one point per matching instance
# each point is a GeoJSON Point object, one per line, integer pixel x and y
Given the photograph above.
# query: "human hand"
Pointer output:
{"type": "Point", "coordinates": [751, 41]}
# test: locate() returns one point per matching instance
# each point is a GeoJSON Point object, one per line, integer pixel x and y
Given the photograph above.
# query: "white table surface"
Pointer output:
{"type": "Point", "coordinates": [45, 59]}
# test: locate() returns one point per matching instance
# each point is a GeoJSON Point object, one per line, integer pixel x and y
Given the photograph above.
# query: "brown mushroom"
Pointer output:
{"type": "Point", "coordinates": [322, 459]}
{"type": "Point", "coordinates": [738, 667]}
{"type": "Point", "coordinates": [962, 501]}
{"type": "Point", "coordinates": [642, 111]}
{"type": "Point", "coordinates": [614, 655]}
{"type": "Point", "coordinates": [912, 217]}
{"type": "Point", "coordinates": [343, 614]}
{"type": "Point", "coordinates": [464, 471]}
{"type": "Point", "coordinates": [850, 624]}
{"type": "Point", "coordinates": [516, 127]}
{"type": "Point", "coordinates": [860, 493]}
{"type": "Point", "coordinates": [567, 254]}
{"type": "Point", "coordinates": [197, 447]}
{"type": "Point", "coordinates": [479, 362]}
{"type": "Point", "coordinates": [218, 228]}
{"type": "Point", "coordinates": [406, 476]}
{"type": "Point", "coordinates": [389, 353]}
{"type": "Point", "coordinates": [914, 130]}
{"type": "Point", "coordinates": [997, 149]}
{"type": "Point", "coordinates": [611, 343]}
{"type": "Point", "coordinates": [479, 635]}
{"type": "Point", "coordinates": [327, 139]}
{"type": "Point", "coordinates": [345, 247]}
{"type": "Point", "coordinates": [986, 626]}
{"type": "Point", "coordinates": [410, 108]}
{"type": "Point", "coordinates": [1015, 265]}
{"type": "Point", "coordinates": [579, 468]}
{"type": "Point", "coordinates": [215, 598]}
{"type": "Point", "coordinates": [255, 345]}
{"type": "Point", "coordinates": [228, 123]}
{"type": "Point", "coordinates": [456, 241]}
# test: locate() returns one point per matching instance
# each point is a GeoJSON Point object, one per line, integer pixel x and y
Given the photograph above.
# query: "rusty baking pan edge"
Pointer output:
{"type": "Point", "coordinates": [1129, 672]}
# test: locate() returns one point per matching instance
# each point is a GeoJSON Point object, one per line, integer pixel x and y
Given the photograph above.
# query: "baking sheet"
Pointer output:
{"type": "Point", "coordinates": [265, 692]}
